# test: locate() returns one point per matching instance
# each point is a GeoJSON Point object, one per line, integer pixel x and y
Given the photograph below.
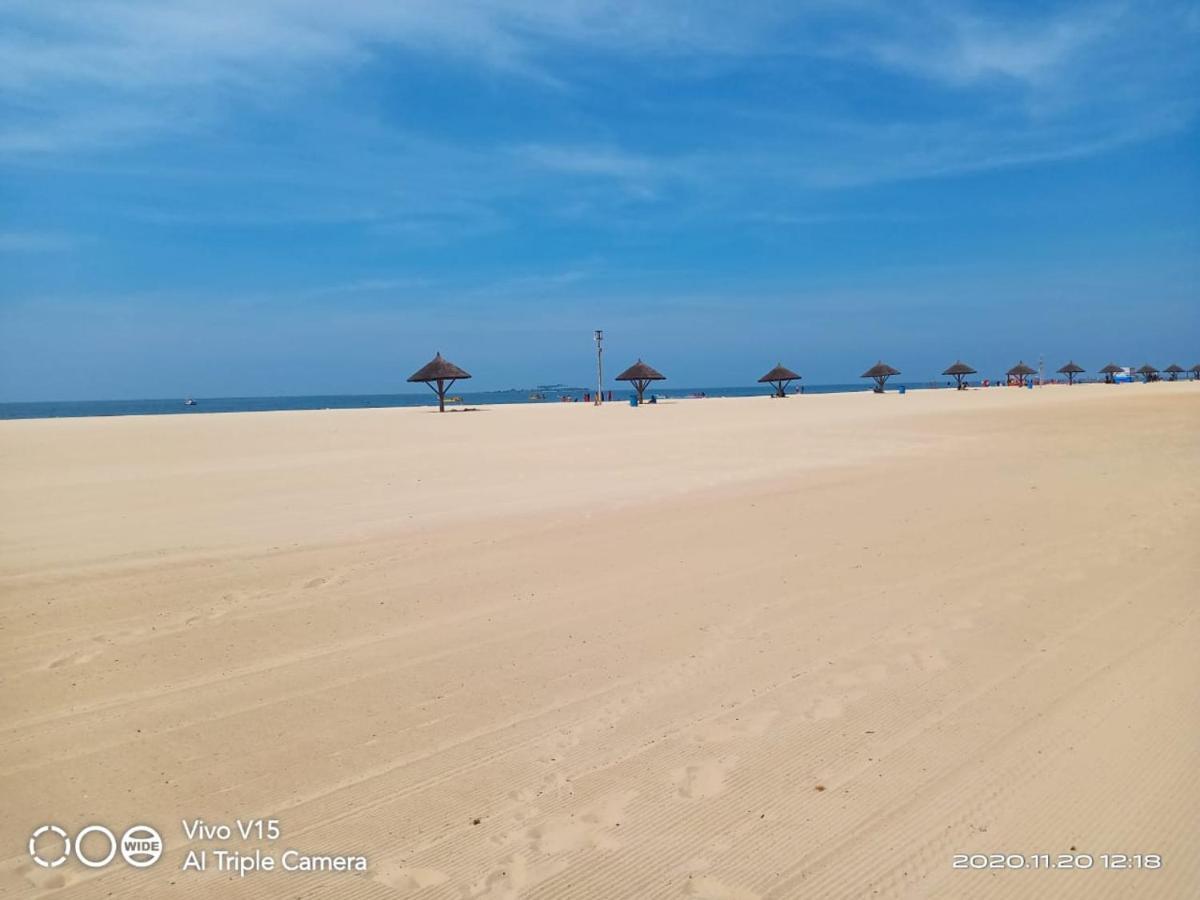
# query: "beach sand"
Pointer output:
{"type": "Point", "coordinates": [712, 648]}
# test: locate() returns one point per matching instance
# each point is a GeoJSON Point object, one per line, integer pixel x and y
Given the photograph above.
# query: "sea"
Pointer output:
{"type": "Point", "coordinates": [176, 406]}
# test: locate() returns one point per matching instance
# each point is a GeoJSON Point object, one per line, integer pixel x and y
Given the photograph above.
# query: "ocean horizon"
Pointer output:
{"type": "Point", "coordinates": [55, 409]}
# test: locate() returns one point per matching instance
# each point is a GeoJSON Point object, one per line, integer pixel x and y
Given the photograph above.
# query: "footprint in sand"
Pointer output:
{"type": "Point", "coordinates": [932, 660]}
{"type": "Point", "coordinates": [332, 579]}
{"type": "Point", "coordinates": [705, 887]}
{"type": "Point", "coordinates": [408, 878]}
{"type": "Point", "coordinates": [703, 779]}
{"type": "Point", "coordinates": [41, 879]}
{"type": "Point", "coordinates": [824, 708]}
{"type": "Point", "coordinates": [72, 659]}
{"type": "Point", "coordinates": [596, 826]}
{"type": "Point", "coordinates": [907, 634]}
{"type": "Point", "coordinates": [511, 878]}
{"type": "Point", "coordinates": [565, 835]}
{"type": "Point", "coordinates": [504, 883]}
{"type": "Point", "coordinates": [697, 865]}
{"type": "Point", "coordinates": [566, 739]}
{"type": "Point", "coordinates": [515, 825]}
{"type": "Point", "coordinates": [929, 659]}
{"type": "Point", "coordinates": [213, 615]}
{"type": "Point", "coordinates": [753, 725]}
{"type": "Point", "coordinates": [870, 674]}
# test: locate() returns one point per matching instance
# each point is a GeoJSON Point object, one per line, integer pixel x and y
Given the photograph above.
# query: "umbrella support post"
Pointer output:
{"type": "Point", "coordinates": [440, 389]}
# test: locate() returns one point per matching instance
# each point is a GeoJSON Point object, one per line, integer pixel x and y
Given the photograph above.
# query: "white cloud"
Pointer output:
{"type": "Point", "coordinates": [958, 46]}
{"type": "Point", "coordinates": [82, 78]}
{"type": "Point", "coordinates": [130, 47]}
{"type": "Point", "coordinates": [36, 242]}
{"type": "Point", "coordinates": [587, 160]}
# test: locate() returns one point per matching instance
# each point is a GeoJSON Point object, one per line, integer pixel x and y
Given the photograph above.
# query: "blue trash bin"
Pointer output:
{"type": "Point", "coordinates": [1029, 384]}
{"type": "Point", "coordinates": [901, 388]}
{"type": "Point", "coordinates": [633, 401]}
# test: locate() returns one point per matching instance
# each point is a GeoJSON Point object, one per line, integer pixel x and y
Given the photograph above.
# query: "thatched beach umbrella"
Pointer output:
{"type": "Point", "coordinates": [439, 374]}
{"type": "Point", "coordinates": [1173, 370]}
{"type": "Point", "coordinates": [780, 377]}
{"type": "Point", "coordinates": [1148, 372]}
{"type": "Point", "coordinates": [641, 375]}
{"type": "Point", "coordinates": [880, 373]}
{"type": "Point", "coordinates": [959, 370]}
{"type": "Point", "coordinates": [1071, 369]}
{"type": "Point", "coordinates": [1020, 372]}
{"type": "Point", "coordinates": [1109, 371]}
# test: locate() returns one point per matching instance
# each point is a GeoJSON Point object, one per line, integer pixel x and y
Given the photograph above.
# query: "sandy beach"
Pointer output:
{"type": "Point", "coordinates": [744, 648]}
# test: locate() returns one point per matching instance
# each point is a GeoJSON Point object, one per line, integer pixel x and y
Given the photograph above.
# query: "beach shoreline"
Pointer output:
{"type": "Point", "coordinates": [56, 409]}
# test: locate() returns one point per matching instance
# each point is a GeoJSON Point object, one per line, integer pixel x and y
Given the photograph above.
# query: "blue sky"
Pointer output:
{"type": "Point", "coordinates": [266, 197]}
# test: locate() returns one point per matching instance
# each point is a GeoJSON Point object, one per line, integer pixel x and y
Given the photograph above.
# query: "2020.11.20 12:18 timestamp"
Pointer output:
{"type": "Point", "coordinates": [1115, 861]}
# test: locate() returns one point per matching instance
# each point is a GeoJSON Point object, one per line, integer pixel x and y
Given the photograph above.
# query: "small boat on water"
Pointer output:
{"type": "Point", "coordinates": [189, 402]}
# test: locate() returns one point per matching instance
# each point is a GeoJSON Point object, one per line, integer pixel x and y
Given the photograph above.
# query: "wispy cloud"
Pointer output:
{"type": "Point", "coordinates": [36, 242]}
{"type": "Point", "coordinates": [190, 57]}
{"type": "Point", "coordinates": [623, 91]}
{"type": "Point", "coordinates": [589, 160]}
{"type": "Point", "coordinates": [958, 45]}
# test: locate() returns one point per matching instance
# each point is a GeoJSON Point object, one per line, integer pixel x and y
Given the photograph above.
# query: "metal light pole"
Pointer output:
{"type": "Point", "coordinates": [599, 366]}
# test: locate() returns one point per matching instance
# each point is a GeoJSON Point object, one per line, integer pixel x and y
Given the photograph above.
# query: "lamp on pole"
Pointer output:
{"type": "Point", "coordinates": [599, 366]}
